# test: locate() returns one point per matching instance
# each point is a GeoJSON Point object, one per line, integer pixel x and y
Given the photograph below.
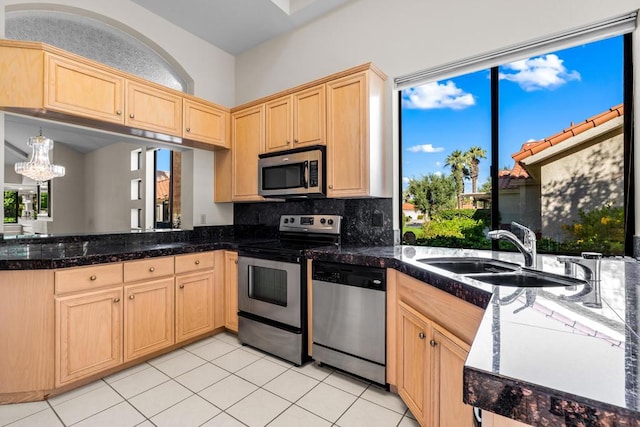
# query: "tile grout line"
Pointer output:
{"type": "Point", "coordinates": [54, 413]}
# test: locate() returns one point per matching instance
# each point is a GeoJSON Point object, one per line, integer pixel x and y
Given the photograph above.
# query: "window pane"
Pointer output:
{"type": "Point", "coordinates": [446, 147]}
{"type": "Point", "coordinates": [561, 147]}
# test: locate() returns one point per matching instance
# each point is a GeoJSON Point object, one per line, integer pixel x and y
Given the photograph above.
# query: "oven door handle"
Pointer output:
{"type": "Point", "coordinates": [305, 175]}
{"type": "Point", "coordinates": [250, 280]}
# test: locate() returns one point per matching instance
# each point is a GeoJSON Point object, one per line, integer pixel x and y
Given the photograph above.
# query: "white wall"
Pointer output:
{"type": "Point", "coordinates": [212, 69]}
{"type": "Point", "coordinates": [404, 36]}
{"type": "Point", "coordinates": [66, 193]}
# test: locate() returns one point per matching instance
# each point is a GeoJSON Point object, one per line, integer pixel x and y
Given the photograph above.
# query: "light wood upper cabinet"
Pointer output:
{"type": "Point", "coordinates": [296, 120]}
{"type": "Point", "coordinates": [231, 290]}
{"type": "Point", "coordinates": [26, 335]}
{"type": "Point", "coordinates": [88, 91]}
{"type": "Point", "coordinates": [88, 334]}
{"type": "Point", "coordinates": [206, 123]}
{"type": "Point", "coordinates": [247, 143]}
{"type": "Point", "coordinates": [148, 317]}
{"type": "Point", "coordinates": [355, 136]}
{"type": "Point", "coordinates": [153, 109]}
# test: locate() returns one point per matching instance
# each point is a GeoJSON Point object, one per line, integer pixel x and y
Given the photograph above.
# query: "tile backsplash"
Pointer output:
{"type": "Point", "coordinates": [364, 221]}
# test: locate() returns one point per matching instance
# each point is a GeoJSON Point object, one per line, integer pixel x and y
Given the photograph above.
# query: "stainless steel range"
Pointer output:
{"type": "Point", "coordinates": [272, 291]}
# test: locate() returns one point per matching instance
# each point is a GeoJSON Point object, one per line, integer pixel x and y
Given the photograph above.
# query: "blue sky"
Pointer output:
{"type": "Point", "coordinates": [163, 157]}
{"type": "Point", "coordinates": [539, 97]}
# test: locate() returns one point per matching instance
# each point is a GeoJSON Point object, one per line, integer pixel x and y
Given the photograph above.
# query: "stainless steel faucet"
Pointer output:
{"type": "Point", "coordinates": [527, 247]}
{"type": "Point", "coordinates": [589, 263]}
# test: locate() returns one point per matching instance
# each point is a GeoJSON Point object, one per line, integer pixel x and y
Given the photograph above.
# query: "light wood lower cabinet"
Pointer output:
{"type": "Point", "coordinates": [429, 332]}
{"type": "Point", "coordinates": [195, 314]}
{"type": "Point", "coordinates": [88, 334]}
{"type": "Point", "coordinates": [231, 290]}
{"type": "Point", "coordinates": [148, 317]}
{"type": "Point", "coordinates": [493, 420]}
{"type": "Point", "coordinates": [26, 335]}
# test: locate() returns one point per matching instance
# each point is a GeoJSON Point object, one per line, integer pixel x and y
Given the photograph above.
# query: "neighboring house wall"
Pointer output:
{"type": "Point", "coordinates": [585, 178]}
{"type": "Point", "coordinates": [521, 204]}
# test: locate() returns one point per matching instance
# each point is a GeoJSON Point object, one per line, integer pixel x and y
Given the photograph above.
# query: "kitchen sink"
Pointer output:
{"type": "Point", "coordinates": [527, 278]}
{"type": "Point", "coordinates": [471, 265]}
{"type": "Point", "coordinates": [501, 273]}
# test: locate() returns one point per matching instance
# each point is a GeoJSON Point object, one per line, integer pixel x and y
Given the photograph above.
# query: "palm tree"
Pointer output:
{"type": "Point", "coordinates": [473, 155]}
{"type": "Point", "coordinates": [458, 164]}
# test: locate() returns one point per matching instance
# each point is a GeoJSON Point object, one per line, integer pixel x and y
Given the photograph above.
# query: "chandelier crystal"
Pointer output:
{"type": "Point", "coordinates": [39, 168]}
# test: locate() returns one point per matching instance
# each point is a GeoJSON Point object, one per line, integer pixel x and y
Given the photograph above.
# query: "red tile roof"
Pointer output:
{"type": "Point", "coordinates": [529, 149]}
{"type": "Point", "coordinates": [408, 207]}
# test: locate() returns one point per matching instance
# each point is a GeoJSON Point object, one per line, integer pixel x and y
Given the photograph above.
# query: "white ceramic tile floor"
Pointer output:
{"type": "Point", "coordinates": [217, 382]}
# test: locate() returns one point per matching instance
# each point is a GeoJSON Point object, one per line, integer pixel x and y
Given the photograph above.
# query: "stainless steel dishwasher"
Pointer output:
{"type": "Point", "coordinates": [349, 317]}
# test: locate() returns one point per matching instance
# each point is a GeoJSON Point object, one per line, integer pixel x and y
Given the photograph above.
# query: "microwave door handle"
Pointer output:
{"type": "Point", "coordinates": [305, 175]}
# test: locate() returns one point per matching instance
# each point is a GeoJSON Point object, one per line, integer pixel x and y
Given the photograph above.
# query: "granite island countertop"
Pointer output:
{"type": "Point", "coordinates": [536, 357]}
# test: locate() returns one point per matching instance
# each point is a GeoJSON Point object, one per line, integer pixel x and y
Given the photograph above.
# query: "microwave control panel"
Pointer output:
{"type": "Point", "coordinates": [313, 173]}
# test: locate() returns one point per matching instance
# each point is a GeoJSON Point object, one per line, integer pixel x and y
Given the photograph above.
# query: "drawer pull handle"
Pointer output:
{"type": "Point", "coordinates": [421, 335]}
{"type": "Point", "coordinates": [152, 269]}
{"type": "Point", "coordinates": [92, 278]}
{"type": "Point", "coordinates": [132, 296]}
{"type": "Point", "coordinates": [181, 286]}
{"type": "Point", "coordinates": [197, 262]}
{"type": "Point", "coordinates": [433, 343]}
{"type": "Point", "coordinates": [116, 300]}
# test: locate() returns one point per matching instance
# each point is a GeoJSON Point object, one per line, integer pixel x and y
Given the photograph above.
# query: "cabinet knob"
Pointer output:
{"type": "Point", "coordinates": [288, 142]}
{"type": "Point", "coordinates": [152, 269]}
{"type": "Point", "coordinates": [115, 300]}
{"type": "Point", "coordinates": [236, 261]}
{"type": "Point", "coordinates": [118, 113]}
{"type": "Point", "coordinates": [93, 277]}
{"type": "Point", "coordinates": [188, 129]}
{"type": "Point", "coordinates": [131, 116]}
{"type": "Point", "coordinates": [132, 296]}
{"type": "Point", "coordinates": [197, 262]}
{"type": "Point", "coordinates": [181, 286]}
{"type": "Point", "coordinates": [330, 187]}
{"type": "Point", "coordinates": [421, 335]}
{"type": "Point", "coordinates": [295, 141]}
{"type": "Point", "coordinates": [433, 343]}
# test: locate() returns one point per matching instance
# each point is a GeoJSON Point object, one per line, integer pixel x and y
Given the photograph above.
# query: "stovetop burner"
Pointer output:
{"type": "Point", "coordinates": [300, 232]}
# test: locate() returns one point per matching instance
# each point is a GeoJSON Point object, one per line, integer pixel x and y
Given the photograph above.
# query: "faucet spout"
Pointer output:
{"type": "Point", "coordinates": [527, 246]}
{"type": "Point", "coordinates": [590, 264]}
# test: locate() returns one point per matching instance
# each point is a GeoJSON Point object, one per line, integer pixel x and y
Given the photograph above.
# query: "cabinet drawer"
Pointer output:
{"type": "Point", "coordinates": [194, 262]}
{"type": "Point", "coordinates": [148, 269]}
{"type": "Point", "coordinates": [86, 278]}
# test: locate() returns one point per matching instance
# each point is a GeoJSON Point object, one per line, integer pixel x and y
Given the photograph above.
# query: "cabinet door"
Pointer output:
{"type": "Point", "coordinates": [231, 290]}
{"type": "Point", "coordinates": [88, 334]}
{"type": "Point", "coordinates": [205, 123]}
{"type": "Point", "coordinates": [279, 125]}
{"type": "Point", "coordinates": [347, 133]}
{"type": "Point", "coordinates": [194, 304]}
{"type": "Point", "coordinates": [413, 361]}
{"type": "Point", "coordinates": [309, 117]}
{"type": "Point", "coordinates": [248, 142]}
{"type": "Point", "coordinates": [153, 109]}
{"type": "Point", "coordinates": [148, 317]}
{"type": "Point", "coordinates": [493, 420]}
{"type": "Point", "coordinates": [79, 89]}
{"type": "Point", "coordinates": [449, 354]}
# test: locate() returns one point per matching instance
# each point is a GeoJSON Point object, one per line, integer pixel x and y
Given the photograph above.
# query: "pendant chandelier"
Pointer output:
{"type": "Point", "coordinates": [39, 168]}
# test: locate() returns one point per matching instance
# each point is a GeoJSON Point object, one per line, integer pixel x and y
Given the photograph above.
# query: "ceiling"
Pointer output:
{"type": "Point", "coordinates": [238, 25]}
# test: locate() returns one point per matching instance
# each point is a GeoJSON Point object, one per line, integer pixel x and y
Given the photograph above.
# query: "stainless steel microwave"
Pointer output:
{"type": "Point", "coordinates": [292, 173]}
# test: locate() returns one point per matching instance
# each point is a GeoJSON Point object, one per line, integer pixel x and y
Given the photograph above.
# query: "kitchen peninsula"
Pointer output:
{"type": "Point", "coordinates": [536, 358]}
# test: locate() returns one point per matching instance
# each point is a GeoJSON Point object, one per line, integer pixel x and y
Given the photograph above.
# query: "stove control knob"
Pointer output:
{"type": "Point", "coordinates": [330, 222]}
{"type": "Point", "coordinates": [291, 220]}
{"type": "Point", "coordinates": [286, 221]}
{"type": "Point", "coordinates": [322, 221]}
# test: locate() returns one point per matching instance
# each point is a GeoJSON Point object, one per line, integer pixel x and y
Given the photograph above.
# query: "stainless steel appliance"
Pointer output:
{"type": "Point", "coordinates": [293, 173]}
{"type": "Point", "coordinates": [349, 317]}
{"type": "Point", "coordinates": [272, 291]}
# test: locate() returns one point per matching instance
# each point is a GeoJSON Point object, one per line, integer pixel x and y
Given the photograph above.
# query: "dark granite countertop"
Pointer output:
{"type": "Point", "coordinates": [536, 357]}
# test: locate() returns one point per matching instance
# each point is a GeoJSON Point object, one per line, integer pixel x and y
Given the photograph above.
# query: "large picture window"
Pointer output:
{"type": "Point", "coordinates": [559, 143]}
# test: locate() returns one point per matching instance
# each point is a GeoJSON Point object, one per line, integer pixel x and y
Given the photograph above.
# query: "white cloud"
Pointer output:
{"type": "Point", "coordinates": [438, 164]}
{"type": "Point", "coordinates": [542, 72]}
{"type": "Point", "coordinates": [437, 95]}
{"type": "Point", "coordinates": [405, 179]}
{"type": "Point", "coordinates": [425, 148]}
{"type": "Point", "coordinates": [437, 173]}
